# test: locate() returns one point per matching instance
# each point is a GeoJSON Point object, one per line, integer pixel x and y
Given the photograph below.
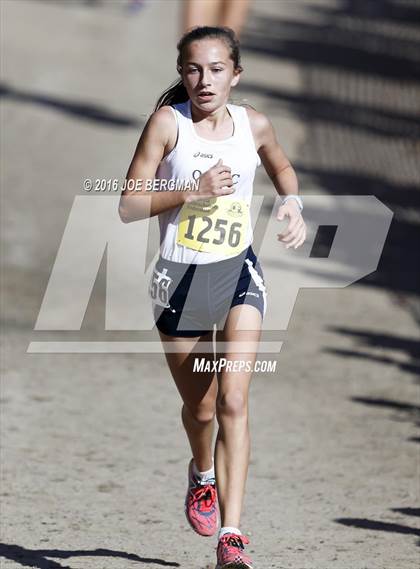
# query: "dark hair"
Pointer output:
{"type": "Point", "coordinates": [177, 93]}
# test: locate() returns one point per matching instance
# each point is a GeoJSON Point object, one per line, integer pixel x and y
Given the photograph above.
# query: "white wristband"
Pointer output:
{"type": "Point", "coordinates": [293, 197]}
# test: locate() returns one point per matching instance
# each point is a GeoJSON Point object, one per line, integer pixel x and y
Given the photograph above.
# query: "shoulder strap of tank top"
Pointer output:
{"type": "Point", "coordinates": [175, 113]}
{"type": "Point", "coordinates": [181, 115]}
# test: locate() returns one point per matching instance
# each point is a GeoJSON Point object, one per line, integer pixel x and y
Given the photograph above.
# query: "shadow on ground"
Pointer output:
{"type": "Point", "coordinates": [360, 66]}
{"type": "Point", "coordinates": [407, 347]}
{"type": "Point", "coordinates": [38, 557]}
{"type": "Point", "coordinates": [363, 523]}
{"type": "Point", "coordinates": [77, 109]}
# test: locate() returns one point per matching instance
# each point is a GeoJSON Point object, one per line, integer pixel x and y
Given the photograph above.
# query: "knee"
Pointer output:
{"type": "Point", "coordinates": [231, 404]}
{"type": "Point", "coordinates": [201, 413]}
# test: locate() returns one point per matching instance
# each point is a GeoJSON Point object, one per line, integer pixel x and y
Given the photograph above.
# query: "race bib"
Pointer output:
{"type": "Point", "coordinates": [214, 225]}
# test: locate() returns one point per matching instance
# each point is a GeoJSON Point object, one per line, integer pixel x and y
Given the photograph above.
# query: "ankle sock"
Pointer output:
{"type": "Point", "coordinates": [206, 475]}
{"type": "Point", "coordinates": [228, 529]}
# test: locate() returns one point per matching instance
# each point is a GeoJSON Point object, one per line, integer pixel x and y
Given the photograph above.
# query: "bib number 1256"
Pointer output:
{"type": "Point", "coordinates": [214, 225]}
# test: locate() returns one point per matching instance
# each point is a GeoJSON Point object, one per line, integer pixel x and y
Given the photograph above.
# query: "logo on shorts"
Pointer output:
{"type": "Point", "coordinates": [159, 288]}
{"type": "Point", "coordinates": [250, 293]}
{"type": "Point", "coordinates": [202, 155]}
{"type": "Point", "coordinates": [236, 210]}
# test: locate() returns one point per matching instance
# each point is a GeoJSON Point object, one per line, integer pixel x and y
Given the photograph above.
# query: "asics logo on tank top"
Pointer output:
{"type": "Point", "coordinates": [202, 155]}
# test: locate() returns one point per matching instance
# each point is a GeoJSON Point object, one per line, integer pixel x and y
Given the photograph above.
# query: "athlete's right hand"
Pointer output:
{"type": "Point", "coordinates": [217, 181]}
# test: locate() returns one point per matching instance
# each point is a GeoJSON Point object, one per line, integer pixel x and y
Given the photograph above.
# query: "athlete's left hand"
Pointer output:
{"type": "Point", "coordinates": [295, 233]}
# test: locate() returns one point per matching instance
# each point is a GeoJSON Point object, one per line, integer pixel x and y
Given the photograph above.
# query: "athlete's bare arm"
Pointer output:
{"type": "Point", "coordinates": [158, 136]}
{"type": "Point", "coordinates": [271, 153]}
{"type": "Point", "coordinates": [156, 141]}
{"type": "Point", "coordinates": [281, 174]}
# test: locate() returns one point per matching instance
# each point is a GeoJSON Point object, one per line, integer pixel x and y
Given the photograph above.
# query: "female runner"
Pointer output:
{"type": "Point", "coordinates": [207, 273]}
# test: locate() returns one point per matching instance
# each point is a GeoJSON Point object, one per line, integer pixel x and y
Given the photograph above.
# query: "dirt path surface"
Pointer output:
{"type": "Point", "coordinates": [94, 457]}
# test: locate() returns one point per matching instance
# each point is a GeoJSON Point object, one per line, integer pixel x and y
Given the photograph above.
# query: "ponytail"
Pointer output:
{"type": "Point", "coordinates": [176, 93]}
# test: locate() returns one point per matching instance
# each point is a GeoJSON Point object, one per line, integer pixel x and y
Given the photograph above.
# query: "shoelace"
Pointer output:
{"type": "Point", "coordinates": [202, 491]}
{"type": "Point", "coordinates": [235, 540]}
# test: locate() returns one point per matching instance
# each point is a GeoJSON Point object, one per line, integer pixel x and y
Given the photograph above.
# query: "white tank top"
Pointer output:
{"type": "Point", "coordinates": [191, 157]}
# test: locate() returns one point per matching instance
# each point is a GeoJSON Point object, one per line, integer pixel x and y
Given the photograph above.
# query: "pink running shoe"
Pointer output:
{"type": "Point", "coordinates": [201, 507]}
{"type": "Point", "coordinates": [230, 552]}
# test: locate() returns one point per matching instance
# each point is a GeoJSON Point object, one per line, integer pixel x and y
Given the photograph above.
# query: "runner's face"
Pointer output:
{"type": "Point", "coordinates": [208, 68]}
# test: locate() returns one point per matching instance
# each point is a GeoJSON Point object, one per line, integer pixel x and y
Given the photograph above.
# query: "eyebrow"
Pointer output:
{"type": "Point", "coordinates": [211, 63]}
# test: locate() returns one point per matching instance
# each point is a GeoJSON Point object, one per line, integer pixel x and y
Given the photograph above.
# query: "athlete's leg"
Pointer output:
{"type": "Point", "coordinates": [234, 14]}
{"type": "Point", "coordinates": [200, 13]}
{"type": "Point", "coordinates": [198, 392]}
{"type": "Point", "coordinates": [233, 442]}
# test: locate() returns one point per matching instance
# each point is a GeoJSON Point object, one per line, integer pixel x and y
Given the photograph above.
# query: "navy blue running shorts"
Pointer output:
{"type": "Point", "coordinates": [189, 299]}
